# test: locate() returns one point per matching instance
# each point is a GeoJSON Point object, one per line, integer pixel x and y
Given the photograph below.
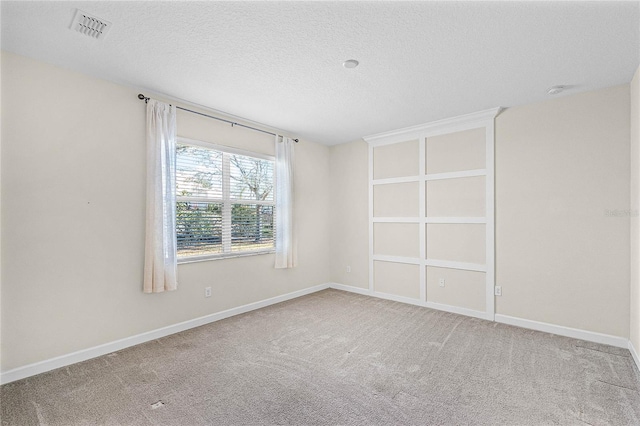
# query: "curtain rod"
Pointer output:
{"type": "Point", "coordinates": [233, 123]}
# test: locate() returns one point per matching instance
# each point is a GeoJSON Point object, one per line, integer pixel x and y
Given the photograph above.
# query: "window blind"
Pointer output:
{"type": "Point", "coordinates": [225, 202]}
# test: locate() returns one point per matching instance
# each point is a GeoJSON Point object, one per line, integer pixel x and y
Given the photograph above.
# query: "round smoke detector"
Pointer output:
{"type": "Point", "coordinates": [350, 63]}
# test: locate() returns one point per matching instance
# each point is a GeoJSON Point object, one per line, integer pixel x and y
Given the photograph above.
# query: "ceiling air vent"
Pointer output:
{"type": "Point", "coordinates": [90, 25]}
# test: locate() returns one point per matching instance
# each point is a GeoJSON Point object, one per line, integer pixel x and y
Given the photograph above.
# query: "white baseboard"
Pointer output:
{"type": "Point", "coordinates": [395, 298]}
{"type": "Point", "coordinates": [634, 354]}
{"type": "Point", "coordinates": [575, 333]}
{"type": "Point", "coordinates": [350, 288]}
{"type": "Point", "coordinates": [410, 301]}
{"type": "Point", "coordinates": [379, 295]}
{"type": "Point", "coordinates": [458, 310]}
{"type": "Point", "coordinates": [589, 336]}
{"type": "Point", "coordinates": [96, 351]}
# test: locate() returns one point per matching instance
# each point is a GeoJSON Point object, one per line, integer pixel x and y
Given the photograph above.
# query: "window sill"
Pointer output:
{"type": "Point", "coordinates": [195, 259]}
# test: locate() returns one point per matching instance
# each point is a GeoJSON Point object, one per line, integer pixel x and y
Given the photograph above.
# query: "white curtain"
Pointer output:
{"type": "Point", "coordinates": [285, 239]}
{"type": "Point", "coordinates": [160, 261]}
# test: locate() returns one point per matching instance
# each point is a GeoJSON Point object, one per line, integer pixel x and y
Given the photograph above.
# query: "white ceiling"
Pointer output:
{"type": "Point", "coordinates": [280, 63]}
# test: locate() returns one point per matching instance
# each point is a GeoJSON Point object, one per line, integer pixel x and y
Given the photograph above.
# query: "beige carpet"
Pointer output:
{"type": "Point", "coordinates": [338, 358]}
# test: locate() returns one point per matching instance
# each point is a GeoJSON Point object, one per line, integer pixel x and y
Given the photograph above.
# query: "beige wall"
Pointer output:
{"type": "Point", "coordinates": [73, 181]}
{"type": "Point", "coordinates": [459, 242]}
{"type": "Point", "coordinates": [396, 239]}
{"type": "Point", "coordinates": [453, 152]}
{"type": "Point", "coordinates": [349, 209]}
{"type": "Point", "coordinates": [465, 289]}
{"type": "Point", "coordinates": [463, 197]}
{"type": "Point", "coordinates": [398, 279]}
{"type": "Point", "coordinates": [396, 199]}
{"type": "Point", "coordinates": [73, 214]}
{"type": "Point", "coordinates": [560, 166]}
{"type": "Point", "coordinates": [634, 326]}
{"type": "Point", "coordinates": [397, 160]}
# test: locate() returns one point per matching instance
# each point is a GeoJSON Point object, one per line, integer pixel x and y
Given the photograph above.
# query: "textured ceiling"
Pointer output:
{"type": "Point", "coordinates": [280, 63]}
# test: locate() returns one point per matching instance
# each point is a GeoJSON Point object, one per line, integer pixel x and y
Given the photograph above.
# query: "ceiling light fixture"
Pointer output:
{"type": "Point", "coordinates": [350, 63]}
{"type": "Point", "coordinates": [554, 90]}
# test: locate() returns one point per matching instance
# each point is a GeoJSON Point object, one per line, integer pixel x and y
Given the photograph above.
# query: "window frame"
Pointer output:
{"type": "Point", "coordinates": [227, 201]}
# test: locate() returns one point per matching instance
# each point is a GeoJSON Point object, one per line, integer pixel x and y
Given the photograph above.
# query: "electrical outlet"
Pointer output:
{"type": "Point", "coordinates": [348, 269]}
{"type": "Point", "coordinates": [441, 282]}
{"type": "Point", "coordinates": [498, 290]}
{"type": "Point", "coordinates": [207, 292]}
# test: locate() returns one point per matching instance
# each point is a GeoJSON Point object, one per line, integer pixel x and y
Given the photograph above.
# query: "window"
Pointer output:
{"type": "Point", "coordinates": [225, 202]}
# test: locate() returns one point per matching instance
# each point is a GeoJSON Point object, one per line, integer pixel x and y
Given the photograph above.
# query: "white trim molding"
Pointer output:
{"type": "Point", "coordinates": [428, 177]}
{"type": "Point", "coordinates": [459, 310]}
{"type": "Point", "coordinates": [451, 264]}
{"type": "Point", "coordinates": [433, 219]}
{"type": "Point", "coordinates": [390, 181]}
{"type": "Point", "coordinates": [396, 259]}
{"type": "Point", "coordinates": [412, 301]}
{"type": "Point", "coordinates": [634, 354]}
{"type": "Point", "coordinates": [422, 212]}
{"type": "Point", "coordinates": [589, 336]}
{"type": "Point", "coordinates": [396, 298]}
{"type": "Point", "coordinates": [370, 149]}
{"type": "Point", "coordinates": [447, 125]}
{"type": "Point", "coordinates": [107, 348]}
{"type": "Point", "coordinates": [479, 120]}
{"type": "Point", "coordinates": [490, 213]}
{"type": "Point", "coordinates": [456, 175]}
{"type": "Point", "coordinates": [351, 289]}
{"type": "Point", "coordinates": [398, 219]}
